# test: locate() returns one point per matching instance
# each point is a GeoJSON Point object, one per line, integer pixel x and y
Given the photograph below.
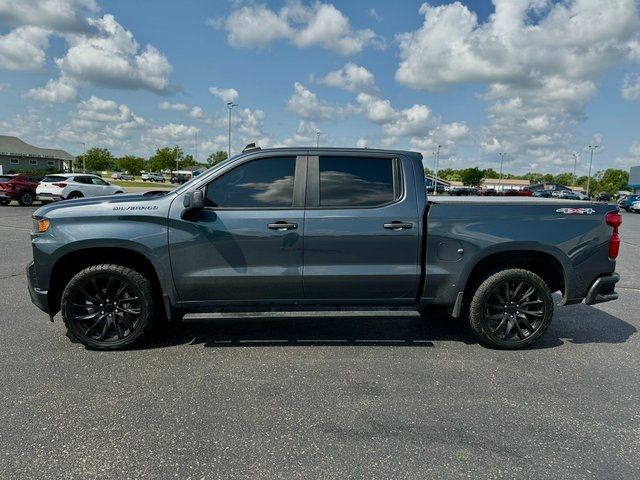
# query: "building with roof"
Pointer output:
{"type": "Point", "coordinates": [634, 179]}
{"type": "Point", "coordinates": [19, 156]}
{"type": "Point", "coordinates": [502, 184]}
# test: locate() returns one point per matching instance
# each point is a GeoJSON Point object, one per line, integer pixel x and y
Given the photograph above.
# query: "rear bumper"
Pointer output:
{"type": "Point", "coordinates": [40, 298]}
{"type": "Point", "coordinates": [48, 197]}
{"type": "Point", "coordinates": [602, 289]}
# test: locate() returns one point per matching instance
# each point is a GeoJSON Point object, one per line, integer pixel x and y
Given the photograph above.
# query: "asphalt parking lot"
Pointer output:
{"type": "Point", "coordinates": [320, 397]}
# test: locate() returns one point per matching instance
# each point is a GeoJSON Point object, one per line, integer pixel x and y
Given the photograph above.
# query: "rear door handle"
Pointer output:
{"type": "Point", "coordinates": [397, 225]}
{"type": "Point", "coordinates": [282, 225]}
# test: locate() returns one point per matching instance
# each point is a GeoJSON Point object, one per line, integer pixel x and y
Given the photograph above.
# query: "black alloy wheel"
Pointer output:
{"type": "Point", "coordinates": [511, 309]}
{"type": "Point", "coordinates": [26, 199]}
{"type": "Point", "coordinates": [107, 306]}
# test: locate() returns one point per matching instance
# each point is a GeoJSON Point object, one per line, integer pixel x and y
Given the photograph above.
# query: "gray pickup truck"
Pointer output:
{"type": "Point", "coordinates": [314, 229]}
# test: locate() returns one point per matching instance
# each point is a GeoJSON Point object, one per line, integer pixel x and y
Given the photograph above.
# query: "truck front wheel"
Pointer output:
{"type": "Point", "coordinates": [108, 307]}
{"type": "Point", "coordinates": [511, 309]}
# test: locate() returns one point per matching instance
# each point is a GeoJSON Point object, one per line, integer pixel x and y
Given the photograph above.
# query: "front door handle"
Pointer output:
{"type": "Point", "coordinates": [282, 225]}
{"type": "Point", "coordinates": [396, 225]}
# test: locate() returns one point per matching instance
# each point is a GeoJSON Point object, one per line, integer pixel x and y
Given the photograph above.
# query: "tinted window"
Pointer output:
{"type": "Point", "coordinates": [86, 180]}
{"type": "Point", "coordinates": [356, 182]}
{"type": "Point", "coordinates": [4, 178]}
{"type": "Point", "coordinates": [263, 183]}
{"type": "Point", "coordinates": [53, 178]}
{"type": "Point", "coordinates": [97, 181]}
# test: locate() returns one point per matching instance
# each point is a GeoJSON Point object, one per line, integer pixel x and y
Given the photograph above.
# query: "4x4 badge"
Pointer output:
{"type": "Point", "coordinates": [576, 211]}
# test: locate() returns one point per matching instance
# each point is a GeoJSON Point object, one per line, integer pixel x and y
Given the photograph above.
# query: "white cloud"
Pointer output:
{"type": "Point", "coordinates": [24, 48]}
{"type": "Point", "coordinates": [225, 94]}
{"type": "Point", "coordinates": [306, 105]}
{"type": "Point", "coordinates": [172, 132]}
{"type": "Point", "coordinates": [318, 24]}
{"type": "Point", "coordinates": [60, 15]}
{"type": "Point", "coordinates": [114, 58]}
{"type": "Point", "coordinates": [352, 78]}
{"type": "Point", "coordinates": [58, 90]}
{"type": "Point", "coordinates": [361, 143]}
{"type": "Point", "coordinates": [197, 113]}
{"type": "Point", "coordinates": [631, 87]}
{"type": "Point", "coordinates": [541, 61]}
{"type": "Point", "coordinates": [179, 107]}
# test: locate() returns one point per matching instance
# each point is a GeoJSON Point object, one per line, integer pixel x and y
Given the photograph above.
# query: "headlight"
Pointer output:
{"type": "Point", "coordinates": [40, 225]}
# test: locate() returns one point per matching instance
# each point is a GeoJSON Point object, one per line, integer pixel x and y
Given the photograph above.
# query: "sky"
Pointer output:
{"type": "Point", "coordinates": [538, 80]}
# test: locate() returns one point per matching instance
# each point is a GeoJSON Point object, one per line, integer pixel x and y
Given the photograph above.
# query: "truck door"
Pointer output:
{"type": "Point", "coordinates": [362, 230]}
{"type": "Point", "coordinates": [247, 242]}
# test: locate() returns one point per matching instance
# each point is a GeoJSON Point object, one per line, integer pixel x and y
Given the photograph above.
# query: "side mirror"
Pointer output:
{"type": "Point", "coordinates": [194, 200]}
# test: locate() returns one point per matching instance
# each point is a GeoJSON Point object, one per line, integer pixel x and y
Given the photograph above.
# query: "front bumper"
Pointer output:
{"type": "Point", "coordinates": [40, 298]}
{"type": "Point", "coordinates": [602, 289]}
{"type": "Point", "coordinates": [4, 196]}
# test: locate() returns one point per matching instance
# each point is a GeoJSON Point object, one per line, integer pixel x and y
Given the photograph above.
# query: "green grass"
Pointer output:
{"type": "Point", "coordinates": [139, 183]}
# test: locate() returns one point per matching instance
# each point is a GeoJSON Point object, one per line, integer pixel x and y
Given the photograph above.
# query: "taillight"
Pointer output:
{"type": "Point", "coordinates": [614, 219]}
{"type": "Point", "coordinates": [61, 185]}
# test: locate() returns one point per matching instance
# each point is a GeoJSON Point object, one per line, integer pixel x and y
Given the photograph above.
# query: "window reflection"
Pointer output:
{"type": "Point", "coordinates": [355, 182]}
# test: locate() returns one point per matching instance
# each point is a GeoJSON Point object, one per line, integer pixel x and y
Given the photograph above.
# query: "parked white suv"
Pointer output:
{"type": "Point", "coordinates": [62, 186]}
{"type": "Point", "coordinates": [152, 177]}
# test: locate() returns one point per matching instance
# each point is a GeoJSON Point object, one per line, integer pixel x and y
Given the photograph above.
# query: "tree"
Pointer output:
{"type": "Point", "coordinates": [165, 158]}
{"type": "Point", "coordinates": [130, 164]}
{"type": "Point", "coordinates": [472, 176]}
{"type": "Point", "coordinates": [97, 159]}
{"type": "Point", "coordinates": [187, 161]}
{"type": "Point", "coordinates": [216, 157]}
{"type": "Point", "coordinates": [613, 180]}
{"type": "Point", "coordinates": [564, 179]}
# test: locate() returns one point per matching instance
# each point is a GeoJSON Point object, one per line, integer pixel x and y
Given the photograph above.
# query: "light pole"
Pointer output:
{"type": "Point", "coordinates": [591, 149]}
{"type": "Point", "coordinates": [435, 187]}
{"type": "Point", "coordinates": [230, 105]}
{"type": "Point", "coordinates": [318, 133]}
{"type": "Point", "coordinates": [177, 157]}
{"type": "Point", "coordinates": [502, 155]}
{"type": "Point", "coordinates": [576, 155]}
{"type": "Point", "coordinates": [84, 157]}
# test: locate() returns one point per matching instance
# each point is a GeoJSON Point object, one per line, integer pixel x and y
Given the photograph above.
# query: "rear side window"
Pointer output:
{"type": "Point", "coordinates": [86, 180]}
{"type": "Point", "coordinates": [357, 182]}
{"type": "Point", "coordinates": [53, 178]}
{"type": "Point", "coordinates": [263, 183]}
{"type": "Point", "coordinates": [4, 178]}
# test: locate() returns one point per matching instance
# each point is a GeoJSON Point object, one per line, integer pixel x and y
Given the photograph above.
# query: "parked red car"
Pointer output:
{"type": "Point", "coordinates": [20, 187]}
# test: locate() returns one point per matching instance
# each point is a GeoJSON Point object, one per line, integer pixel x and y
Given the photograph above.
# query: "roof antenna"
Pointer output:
{"type": "Point", "coordinates": [250, 148]}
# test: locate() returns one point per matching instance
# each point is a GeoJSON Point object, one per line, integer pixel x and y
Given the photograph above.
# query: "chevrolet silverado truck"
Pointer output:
{"type": "Point", "coordinates": [298, 229]}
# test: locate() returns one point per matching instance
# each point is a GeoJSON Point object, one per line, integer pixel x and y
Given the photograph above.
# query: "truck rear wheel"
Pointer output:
{"type": "Point", "coordinates": [511, 309]}
{"type": "Point", "coordinates": [108, 307]}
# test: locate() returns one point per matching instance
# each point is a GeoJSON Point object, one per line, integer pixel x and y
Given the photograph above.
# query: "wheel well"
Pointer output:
{"type": "Point", "coordinates": [72, 263]}
{"type": "Point", "coordinates": [543, 264]}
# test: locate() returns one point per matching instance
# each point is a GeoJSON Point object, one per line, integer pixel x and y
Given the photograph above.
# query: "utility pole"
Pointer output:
{"type": "Point", "coordinates": [435, 187]}
{"type": "Point", "coordinates": [318, 133]}
{"type": "Point", "coordinates": [502, 155]}
{"type": "Point", "coordinates": [196, 145]}
{"type": "Point", "coordinates": [230, 105]}
{"type": "Point", "coordinates": [591, 149]}
{"type": "Point", "coordinates": [576, 155]}
{"type": "Point", "coordinates": [177, 165]}
{"type": "Point", "coordinates": [84, 157]}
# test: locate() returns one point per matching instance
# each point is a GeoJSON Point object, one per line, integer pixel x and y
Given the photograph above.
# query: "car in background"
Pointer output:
{"type": "Point", "coordinates": [66, 186]}
{"type": "Point", "coordinates": [462, 191]}
{"type": "Point", "coordinates": [603, 197]}
{"type": "Point", "coordinates": [122, 176]}
{"type": "Point", "coordinates": [569, 195]}
{"type": "Point", "coordinates": [542, 194]}
{"type": "Point", "coordinates": [152, 177]}
{"type": "Point", "coordinates": [525, 192]}
{"type": "Point", "coordinates": [21, 187]}
{"type": "Point", "coordinates": [511, 192]}
{"type": "Point", "coordinates": [626, 202]}
{"type": "Point", "coordinates": [635, 207]}
{"type": "Point", "coordinates": [181, 178]}
{"type": "Point", "coordinates": [487, 192]}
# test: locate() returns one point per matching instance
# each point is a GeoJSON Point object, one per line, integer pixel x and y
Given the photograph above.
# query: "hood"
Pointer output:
{"type": "Point", "coordinates": [125, 200]}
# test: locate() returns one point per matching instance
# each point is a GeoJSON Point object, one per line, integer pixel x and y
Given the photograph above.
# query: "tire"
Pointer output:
{"type": "Point", "coordinates": [26, 198]}
{"type": "Point", "coordinates": [73, 195]}
{"type": "Point", "coordinates": [503, 323]}
{"type": "Point", "coordinates": [104, 323]}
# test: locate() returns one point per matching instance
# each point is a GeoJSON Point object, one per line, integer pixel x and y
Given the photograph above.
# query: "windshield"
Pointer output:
{"type": "Point", "coordinates": [5, 178]}
{"type": "Point", "coordinates": [53, 178]}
